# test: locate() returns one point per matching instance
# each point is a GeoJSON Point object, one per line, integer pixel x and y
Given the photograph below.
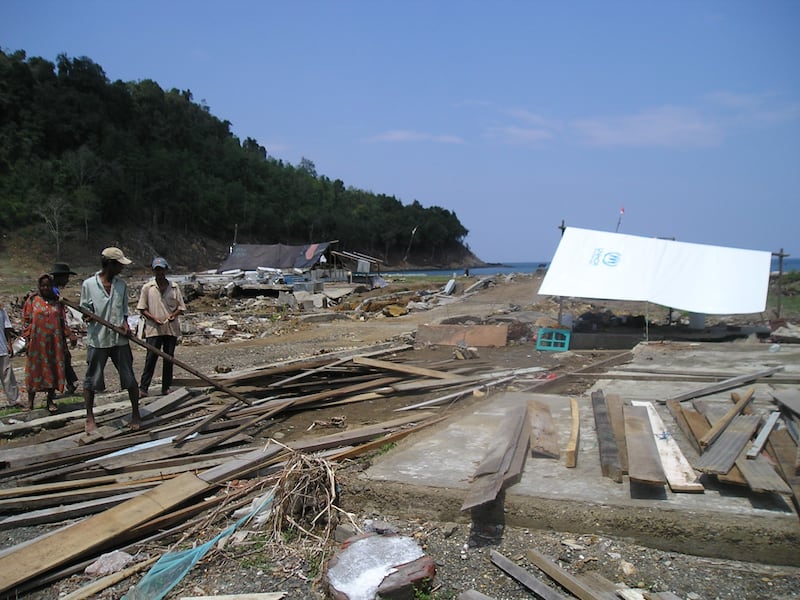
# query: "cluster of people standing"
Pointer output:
{"type": "Point", "coordinates": [104, 305]}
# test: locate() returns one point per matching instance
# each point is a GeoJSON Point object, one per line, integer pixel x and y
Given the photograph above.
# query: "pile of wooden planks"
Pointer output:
{"type": "Point", "coordinates": [119, 486]}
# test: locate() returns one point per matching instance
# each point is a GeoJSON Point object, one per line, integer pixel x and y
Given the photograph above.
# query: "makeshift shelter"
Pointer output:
{"type": "Point", "coordinates": [249, 257]}
{"type": "Point", "coordinates": [692, 277]}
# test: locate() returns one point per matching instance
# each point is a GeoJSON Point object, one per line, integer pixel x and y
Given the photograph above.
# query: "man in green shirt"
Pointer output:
{"type": "Point", "coordinates": [106, 295]}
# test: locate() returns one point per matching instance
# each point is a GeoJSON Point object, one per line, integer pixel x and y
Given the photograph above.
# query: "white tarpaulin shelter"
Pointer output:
{"type": "Point", "coordinates": [692, 277]}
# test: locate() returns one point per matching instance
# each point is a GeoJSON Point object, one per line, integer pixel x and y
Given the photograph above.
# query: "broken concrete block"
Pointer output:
{"type": "Point", "coordinates": [373, 566]}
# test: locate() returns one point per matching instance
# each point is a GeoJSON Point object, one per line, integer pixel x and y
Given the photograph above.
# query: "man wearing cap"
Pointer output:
{"type": "Point", "coordinates": [106, 295]}
{"type": "Point", "coordinates": [61, 273]}
{"type": "Point", "coordinates": [160, 304]}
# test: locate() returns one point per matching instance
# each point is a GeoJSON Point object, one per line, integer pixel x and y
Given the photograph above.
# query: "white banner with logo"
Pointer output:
{"type": "Point", "coordinates": [692, 277]}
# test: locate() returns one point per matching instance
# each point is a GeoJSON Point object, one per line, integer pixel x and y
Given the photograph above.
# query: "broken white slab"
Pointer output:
{"type": "Point", "coordinates": [361, 567]}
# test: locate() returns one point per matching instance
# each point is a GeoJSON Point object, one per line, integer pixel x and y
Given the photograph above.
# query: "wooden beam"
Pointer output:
{"type": "Point", "coordinates": [526, 578]}
{"type": "Point", "coordinates": [544, 436]}
{"type": "Point", "coordinates": [402, 368]}
{"type": "Point", "coordinates": [681, 477]}
{"type": "Point", "coordinates": [722, 454]}
{"type": "Point", "coordinates": [644, 463]}
{"type": "Point", "coordinates": [606, 442]}
{"type": "Point", "coordinates": [718, 427]}
{"type": "Point", "coordinates": [727, 384]}
{"type": "Point", "coordinates": [566, 580]}
{"type": "Point", "coordinates": [574, 435]}
{"type": "Point", "coordinates": [762, 436]}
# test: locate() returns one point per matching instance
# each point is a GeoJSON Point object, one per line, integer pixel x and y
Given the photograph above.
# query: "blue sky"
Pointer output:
{"type": "Point", "coordinates": [514, 115]}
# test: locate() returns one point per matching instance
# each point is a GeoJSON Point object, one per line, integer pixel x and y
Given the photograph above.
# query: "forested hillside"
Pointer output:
{"type": "Point", "coordinates": [79, 153]}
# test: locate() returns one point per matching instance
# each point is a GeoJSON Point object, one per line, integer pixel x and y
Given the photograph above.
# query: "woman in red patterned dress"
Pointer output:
{"type": "Point", "coordinates": [45, 327]}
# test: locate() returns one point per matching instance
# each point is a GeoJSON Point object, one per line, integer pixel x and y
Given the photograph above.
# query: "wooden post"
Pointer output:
{"type": "Point", "coordinates": [781, 255]}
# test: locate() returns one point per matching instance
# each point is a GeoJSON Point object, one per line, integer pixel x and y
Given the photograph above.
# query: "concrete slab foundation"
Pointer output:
{"type": "Point", "coordinates": [433, 467]}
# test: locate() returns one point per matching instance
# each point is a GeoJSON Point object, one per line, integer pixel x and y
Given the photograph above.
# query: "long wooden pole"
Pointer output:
{"type": "Point", "coordinates": [161, 353]}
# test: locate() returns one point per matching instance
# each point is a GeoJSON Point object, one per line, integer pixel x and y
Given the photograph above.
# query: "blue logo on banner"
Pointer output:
{"type": "Point", "coordinates": [609, 259]}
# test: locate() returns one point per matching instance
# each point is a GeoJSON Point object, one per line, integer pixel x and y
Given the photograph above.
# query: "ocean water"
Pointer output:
{"type": "Point", "coordinates": [499, 269]}
{"type": "Point", "coordinates": [789, 264]}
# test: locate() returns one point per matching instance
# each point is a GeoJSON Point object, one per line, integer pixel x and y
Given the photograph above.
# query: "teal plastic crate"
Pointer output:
{"type": "Point", "coordinates": [552, 340]}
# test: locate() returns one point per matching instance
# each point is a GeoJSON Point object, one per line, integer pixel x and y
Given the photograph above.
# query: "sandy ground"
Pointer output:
{"type": "Point", "coordinates": [443, 531]}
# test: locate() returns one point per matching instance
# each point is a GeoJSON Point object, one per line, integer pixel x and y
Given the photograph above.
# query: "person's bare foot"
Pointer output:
{"type": "Point", "coordinates": [134, 425]}
{"type": "Point", "coordinates": [90, 427]}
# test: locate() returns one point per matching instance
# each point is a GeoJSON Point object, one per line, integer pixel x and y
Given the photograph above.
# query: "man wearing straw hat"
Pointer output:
{"type": "Point", "coordinates": [106, 295]}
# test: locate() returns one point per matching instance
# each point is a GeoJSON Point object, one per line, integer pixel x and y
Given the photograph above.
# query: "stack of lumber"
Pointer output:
{"type": "Point", "coordinates": [738, 447]}
{"type": "Point", "coordinates": [118, 486]}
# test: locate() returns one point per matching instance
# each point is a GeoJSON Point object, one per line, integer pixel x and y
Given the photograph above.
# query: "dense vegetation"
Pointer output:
{"type": "Point", "coordinates": [79, 152]}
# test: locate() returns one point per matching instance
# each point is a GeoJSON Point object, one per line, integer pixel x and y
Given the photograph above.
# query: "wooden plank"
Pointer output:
{"type": "Point", "coordinates": [677, 412]}
{"type": "Point", "coordinates": [388, 365]}
{"type": "Point", "coordinates": [544, 436]}
{"type": "Point", "coordinates": [64, 512]}
{"type": "Point", "coordinates": [596, 581]}
{"type": "Point", "coordinates": [481, 336]}
{"type": "Point", "coordinates": [783, 449]}
{"type": "Point", "coordinates": [490, 474]}
{"type": "Point", "coordinates": [761, 438]}
{"type": "Point", "coordinates": [699, 425]}
{"type": "Point", "coordinates": [566, 580]}
{"type": "Point", "coordinates": [760, 475]}
{"type": "Point", "coordinates": [473, 595]}
{"type": "Point", "coordinates": [574, 435]}
{"type": "Point", "coordinates": [615, 403]}
{"type": "Point", "coordinates": [389, 438]}
{"type": "Point", "coordinates": [75, 541]}
{"type": "Point", "coordinates": [517, 466]}
{"type": "Point", "coordinates": [788, 398]}
{"type": "Point", "coordinates": [607, 444]}
{"type": "Point", "coordinates": [253, 460]}
{"type": "Point", "coordinates": [526, 578]}
{"type": "Point", "coordinates": [722, 454]}
{"type": "Point", "coordinates": [274, 407]}
{"type": "Point", "coordinates": [95, 587]}
{"type": "Point", "coordinates": [506, 436]}
{"type": "Point", "coordinates": [644, 464]}
{"type": "Point", "coordinates": [727, 384]}
{"type": "Point", "coordinates": [719, 426]}
{"type": "Point", "coordinates": [27, 503]}
{"type": "Point", "coordinates": [681, 477]}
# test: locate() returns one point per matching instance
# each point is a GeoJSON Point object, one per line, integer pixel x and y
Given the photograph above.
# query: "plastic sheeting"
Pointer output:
{"type": "Point", "coordinates": [173, 566]}
{"type": "Point", "coordinates": [693, 277]}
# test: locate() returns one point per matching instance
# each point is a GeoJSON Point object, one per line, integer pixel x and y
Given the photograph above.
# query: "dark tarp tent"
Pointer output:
{"type": "Point", "coordinates": [248, 257]}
